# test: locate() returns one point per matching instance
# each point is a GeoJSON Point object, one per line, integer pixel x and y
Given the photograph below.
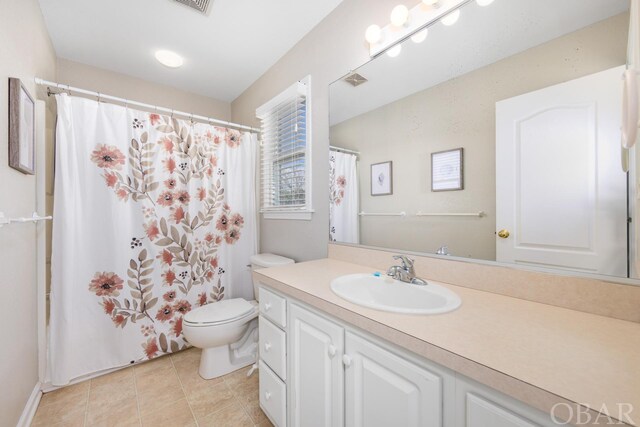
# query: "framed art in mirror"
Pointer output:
{"type": "Point", "coordinates": [382, 179]}
{"type": "Point", "coordinates": [447, 170]}
{"type": "Point", "coordinates": [22, 128]}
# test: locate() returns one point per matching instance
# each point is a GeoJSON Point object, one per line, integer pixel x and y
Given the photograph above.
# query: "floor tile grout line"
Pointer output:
{"type": "Point", "coordinates": [86, 405]}
{"type": "Point", "coordinates": [184, 391]}
{"type": "Point", "coordinates": [135, 387]}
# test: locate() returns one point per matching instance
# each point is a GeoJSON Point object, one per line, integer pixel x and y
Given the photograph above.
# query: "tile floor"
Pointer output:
{"type": "Point", "coordinates": [164, 392]}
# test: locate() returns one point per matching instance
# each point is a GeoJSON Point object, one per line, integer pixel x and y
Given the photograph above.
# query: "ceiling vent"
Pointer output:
{"type": "Point", "coordinates": [355, 79]}
{"type": "Point", "coordinates": [199, 5]}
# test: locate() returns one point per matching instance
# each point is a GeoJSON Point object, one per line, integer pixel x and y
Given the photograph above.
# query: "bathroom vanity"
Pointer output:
{"type": "Point", "coordinates": [496, 361]}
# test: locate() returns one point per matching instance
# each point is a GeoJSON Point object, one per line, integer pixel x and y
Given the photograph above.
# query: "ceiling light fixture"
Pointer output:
{"type": "Point", "coordinates": [451, 18]}
{"type": "Point", "coordinates": [399, 15]}
{"type": "Point", "coordinates": [394, 51]}
{"type": "Point", "coordinates": [420, 36]}
{"type": "Point", "coordinates": [169, 59]}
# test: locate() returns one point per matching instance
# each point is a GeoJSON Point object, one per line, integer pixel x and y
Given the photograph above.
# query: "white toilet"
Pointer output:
{"type": "Point", "coordinates": [227, 331]}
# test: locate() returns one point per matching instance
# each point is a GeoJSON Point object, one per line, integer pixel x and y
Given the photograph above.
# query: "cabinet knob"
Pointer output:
{"type": "Point", "coordinates": [346, 360]}
{"type": "Point", "coordinates": [267, 306]}
{"type": "Point", "coordinates": [267, 346]}
{"type": "Point", "coordinates": [267, 395]}
{"type": "Point", "coordinates": [332, 351]}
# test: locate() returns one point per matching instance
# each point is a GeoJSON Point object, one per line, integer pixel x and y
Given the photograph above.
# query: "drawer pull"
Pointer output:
{"type": "Point", "coordinates": [332, 351]}
{"type": "Point", "coordinates": [267, 306]}
{"type": "Point", "coordinates": [267, 395]}
{"type": "Point", "coordinates": [346, 360]}
{"type": "Point", "coordinates": [267, 346]}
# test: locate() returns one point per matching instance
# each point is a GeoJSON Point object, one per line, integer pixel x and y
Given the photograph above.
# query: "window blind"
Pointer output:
{"type": "Point", "coordinates": [284, 151]}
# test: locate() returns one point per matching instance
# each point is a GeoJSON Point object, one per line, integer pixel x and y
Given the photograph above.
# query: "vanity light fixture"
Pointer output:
{"type": "Point", "coordinates": [412, 23]}
{"type": "Point", "coordinates": [399, 15]}
{"type": "Point", "coordinates": [420, 36]}
{"type": "Point", "coordinates": [395, 51]}
{"type": "Point", "coordinates": [451, 18]}
{"type": "Point", "coordinates": [373, 34]}
{"type": "Point", "coordinates": [169, 59]}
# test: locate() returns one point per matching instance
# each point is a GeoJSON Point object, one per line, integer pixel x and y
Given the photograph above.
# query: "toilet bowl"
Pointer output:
{"type": "Point", "coordinates": [227, 331]}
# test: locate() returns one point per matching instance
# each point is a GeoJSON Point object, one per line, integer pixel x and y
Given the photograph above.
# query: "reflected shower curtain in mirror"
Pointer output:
{"type": "Point", "coordinates": [343, 194]}
{"type": "Point", "coordinates": [153, 217]}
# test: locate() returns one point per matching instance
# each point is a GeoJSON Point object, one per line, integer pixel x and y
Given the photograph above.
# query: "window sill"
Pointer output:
{"type": "Point", "coordinates": [291, 215]}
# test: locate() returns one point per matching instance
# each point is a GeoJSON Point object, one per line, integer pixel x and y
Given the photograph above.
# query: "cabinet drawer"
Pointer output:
{"type": "Point", "coordinates": [273, 396]}
{"type": "Point", "coordinates": [273, 347]}
{"type": "Point", "coordinates": [273, 307]}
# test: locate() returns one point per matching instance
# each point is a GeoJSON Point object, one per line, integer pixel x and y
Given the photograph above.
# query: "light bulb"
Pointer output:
{"type": "Point", "coordinates": [430, 2]}
{"type": "Point", "coordinates": [373, 34]}
{"type": "Point", "coordinates": [169, 59]}
{"type": "Point", "coordinates": [395, 51]}
{"type": "Point", "coordinates": [420, 36]}
{"type": "Point", "coordinates": [451, 18]}
{"type": "Point", "coordinates": [484, 2]}
{"type": "Point", "coordinates": [399, 15]}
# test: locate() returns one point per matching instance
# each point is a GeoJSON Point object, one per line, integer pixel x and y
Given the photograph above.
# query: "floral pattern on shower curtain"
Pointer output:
{"type": "Point", "coordinates": [343, 198]}
{"type": "Point", "coordinates": [154, 216]}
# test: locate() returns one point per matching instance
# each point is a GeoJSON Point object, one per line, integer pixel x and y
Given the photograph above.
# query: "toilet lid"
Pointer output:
{"type": "Point", "coordinates": [219, 312]}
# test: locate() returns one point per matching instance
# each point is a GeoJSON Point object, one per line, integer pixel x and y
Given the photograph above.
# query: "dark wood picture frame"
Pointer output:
{"type": "Point", "coordinates": [22, 128]}
{"type": "Point", "coordinates": [390, 172]}
{"type": "Point", "coordinates": [461, 177]}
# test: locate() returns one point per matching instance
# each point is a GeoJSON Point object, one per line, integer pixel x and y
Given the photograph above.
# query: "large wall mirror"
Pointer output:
{"type": "Point", "coordinates": [496, 139]}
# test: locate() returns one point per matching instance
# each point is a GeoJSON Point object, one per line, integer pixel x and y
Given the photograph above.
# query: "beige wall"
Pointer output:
{"type": "Point", "coordinates": [328, 52]}
{"type": "Point", "coordinates": [447, 124]}
{"type": "Point", "coordinates": [25, 52]}
{"type": "Point", "coordinates": [121, 85]}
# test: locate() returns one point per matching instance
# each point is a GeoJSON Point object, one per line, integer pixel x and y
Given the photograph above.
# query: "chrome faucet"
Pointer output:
{"type": "Point", "coordinates": [405, 272]}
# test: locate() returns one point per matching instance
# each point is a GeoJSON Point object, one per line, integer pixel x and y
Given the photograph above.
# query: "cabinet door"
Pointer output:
{"type": "Point", "coordinates": [483, 413]}
{"type": "Point", "coordinates": [316, 383]}
{"type": "Point", "coordinates": [383, 389]}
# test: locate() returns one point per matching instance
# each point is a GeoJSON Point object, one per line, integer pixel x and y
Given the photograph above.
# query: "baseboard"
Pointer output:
{"type": "Point", "coordinates": [30, 408]}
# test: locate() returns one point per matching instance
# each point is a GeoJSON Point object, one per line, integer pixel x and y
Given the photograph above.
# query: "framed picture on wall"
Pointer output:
{"type": "Point", "coordinates": [447, 170]}
{"type": "Point", "coordinates": [22, 128]}
{"type": "Point", "coordinates": [382, 179]}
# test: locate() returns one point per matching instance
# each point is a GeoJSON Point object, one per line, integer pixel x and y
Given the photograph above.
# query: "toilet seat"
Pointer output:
{"type": "Point", "coordinates": [219, 313]}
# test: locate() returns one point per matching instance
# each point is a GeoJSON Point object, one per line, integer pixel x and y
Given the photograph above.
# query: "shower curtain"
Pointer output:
{"type": "Point", "coordinates": [343, 189]}
{"type": "Point", "coordinates": [153, 217]}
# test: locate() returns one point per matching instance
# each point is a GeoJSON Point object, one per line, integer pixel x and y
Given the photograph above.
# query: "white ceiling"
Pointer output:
{"type": "Point", "coordinates": [482, 36]}
{"type": "Point", "coordinates": [225, 51]}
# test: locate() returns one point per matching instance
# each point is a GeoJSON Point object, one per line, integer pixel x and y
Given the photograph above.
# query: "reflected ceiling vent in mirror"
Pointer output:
{"type": "Point", "coordinates": [199, 5]}
{"type": "Point", "coordinates": [355, 79]}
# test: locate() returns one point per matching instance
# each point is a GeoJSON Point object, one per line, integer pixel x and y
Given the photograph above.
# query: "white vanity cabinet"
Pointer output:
{"type": "Point", "coordinates": [316, 385]}
{"type": "Point", "coordinates": [332, 375]}
{"type": "Point", "coordinates": [383, 389]}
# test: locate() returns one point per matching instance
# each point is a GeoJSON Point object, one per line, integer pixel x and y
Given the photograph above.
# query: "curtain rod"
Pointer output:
{"type": "Point", "coordinates": [344, 150]}
{"type": "Point", "coordinates": [102, 96]}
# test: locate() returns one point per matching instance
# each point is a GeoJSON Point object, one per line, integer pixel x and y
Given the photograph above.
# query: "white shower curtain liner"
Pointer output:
{"type": "Point", "coordinates": [153, 217]}
{"type": "Point", "coordinates": [344, 197]}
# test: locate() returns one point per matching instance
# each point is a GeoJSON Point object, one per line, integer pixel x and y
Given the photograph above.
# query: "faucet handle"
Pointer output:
{"type": "Point", "coordinates": [406, 261]}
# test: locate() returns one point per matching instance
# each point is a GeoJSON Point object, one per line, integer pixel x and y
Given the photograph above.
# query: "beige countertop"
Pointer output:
{"type": "Point", "coordinates": [538, 353]}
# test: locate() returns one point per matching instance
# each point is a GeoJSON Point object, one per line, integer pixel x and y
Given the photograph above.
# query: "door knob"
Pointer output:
{"type": "Point", "coordinates": [503, 234]}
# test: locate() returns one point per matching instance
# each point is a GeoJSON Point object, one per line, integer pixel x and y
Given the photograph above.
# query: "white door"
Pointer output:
{"type": "Point", "coordinates": [382, 389]}
{"type": "Point", "coordinates": [316, 384]}
{"type": "Point", "coordinates": [560, 190]}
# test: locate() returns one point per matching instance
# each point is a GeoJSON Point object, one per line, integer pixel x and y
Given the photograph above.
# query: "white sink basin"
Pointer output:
{"type": "Point", "coordinates": [386, 294]}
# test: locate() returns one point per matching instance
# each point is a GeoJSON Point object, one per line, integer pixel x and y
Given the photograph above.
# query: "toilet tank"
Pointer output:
{"type": "Point", "coordinates": [266, 261]}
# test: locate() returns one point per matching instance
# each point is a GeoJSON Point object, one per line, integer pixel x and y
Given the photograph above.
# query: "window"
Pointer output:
{"type": "Point", "coordinates": [285, 154]}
